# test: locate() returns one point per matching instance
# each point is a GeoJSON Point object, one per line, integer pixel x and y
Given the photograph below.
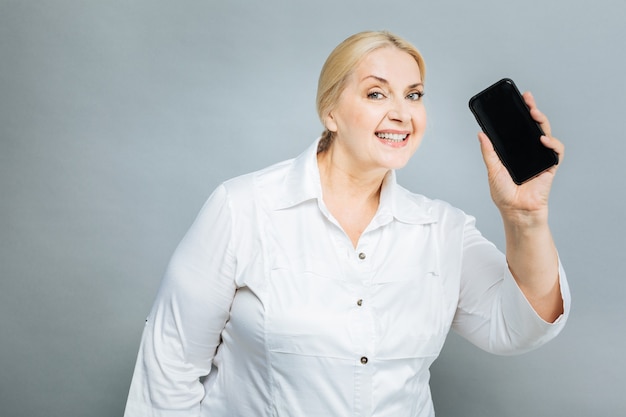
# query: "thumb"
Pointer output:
{"type": "Point", "coordinates": [490, 157]}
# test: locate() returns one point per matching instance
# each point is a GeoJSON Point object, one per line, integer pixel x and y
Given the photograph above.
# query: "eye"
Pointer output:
{"type": "Point", "coordinates": [415, 96]}
{"type": "Point", "coordinates": [375, 95]}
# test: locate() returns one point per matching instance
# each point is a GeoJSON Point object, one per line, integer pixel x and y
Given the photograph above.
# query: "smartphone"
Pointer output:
{"type": "Point", "coordinates": [503, 115]}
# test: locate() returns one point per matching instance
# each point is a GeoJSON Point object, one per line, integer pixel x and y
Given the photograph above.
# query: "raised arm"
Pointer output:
{"type": "Point", "coordinates": [530, 251]}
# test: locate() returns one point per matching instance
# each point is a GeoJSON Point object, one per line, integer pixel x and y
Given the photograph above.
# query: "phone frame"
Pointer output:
{"type": "Point", "coordinates": [503, 115]}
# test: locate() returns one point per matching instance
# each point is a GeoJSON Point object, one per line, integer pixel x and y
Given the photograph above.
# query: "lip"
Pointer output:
{"type": "Point", "coordinates": [394, 131]}
{"type": "Point", "coordinates": [390, 143]}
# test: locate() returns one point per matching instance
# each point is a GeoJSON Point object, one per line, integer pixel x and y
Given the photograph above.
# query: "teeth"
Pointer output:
{"type": "Point", "coordinates": [392, 136]}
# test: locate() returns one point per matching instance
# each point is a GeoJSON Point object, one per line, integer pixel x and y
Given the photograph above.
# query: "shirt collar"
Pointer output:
{"type": "Point", "coordinates": [302, 183]}
{"type": "Point", "coordinates": [402, 205]}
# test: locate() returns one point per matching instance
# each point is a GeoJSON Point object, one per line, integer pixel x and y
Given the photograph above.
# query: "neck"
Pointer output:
{"type": "Point", "coordinates": [342, 179]}
{"type": "Point", "coordinates": [351, 196]}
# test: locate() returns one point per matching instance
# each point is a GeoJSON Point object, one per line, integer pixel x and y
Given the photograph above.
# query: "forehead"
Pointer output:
{"type": "Point", "coordinates": [390, 63]}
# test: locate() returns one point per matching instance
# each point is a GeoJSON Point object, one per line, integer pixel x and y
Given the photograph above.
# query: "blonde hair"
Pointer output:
{"type": "Point", "coordinates": [343, 60]}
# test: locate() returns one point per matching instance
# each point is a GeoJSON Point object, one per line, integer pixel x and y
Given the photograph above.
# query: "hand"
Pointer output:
{"type": "Point", "coordinates": [529, 200]}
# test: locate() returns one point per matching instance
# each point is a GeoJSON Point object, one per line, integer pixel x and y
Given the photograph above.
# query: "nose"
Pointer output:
{"type": "Point", "coordinates": [399, 111]}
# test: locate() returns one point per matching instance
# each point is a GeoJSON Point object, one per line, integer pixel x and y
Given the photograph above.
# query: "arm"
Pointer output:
{"type": "Point", "coordinates": [183, 329]}
{"type": "Point", "coordinates": [531, 255]}
{"type": "Point", "coordinates": [493, 312]}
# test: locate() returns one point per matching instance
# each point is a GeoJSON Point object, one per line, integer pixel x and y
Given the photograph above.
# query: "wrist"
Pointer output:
{"type": "Point", "coordinates": [518, 219]}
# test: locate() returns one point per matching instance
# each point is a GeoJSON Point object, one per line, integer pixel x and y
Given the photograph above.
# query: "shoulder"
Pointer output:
{"type": "Point", "coordinates": [438, 210]}
{"type": "Point", "coordinates": [449, 224]}
{"type": "Point", "coordinates": [257, 185]}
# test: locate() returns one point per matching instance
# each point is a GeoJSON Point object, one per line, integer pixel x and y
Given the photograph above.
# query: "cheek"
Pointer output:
{"type": "Point", "coordinates": [357, 120]}
{"type": "Point", "coordinates": [419, 120]}
{"type": "Point", "coordinates": [368, 118]}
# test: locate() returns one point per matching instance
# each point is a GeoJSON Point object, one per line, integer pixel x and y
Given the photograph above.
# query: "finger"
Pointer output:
{"type": "Point", "coordinates": [554, 144]}
{"type": "Point", "coordinates": [536, 114]}
{"type": "Point", "coordinates": [543, 121]}
{"type": "Point", "coordinates": [529, 99]}
{"type": "Point", "coordinates": [490, 157]}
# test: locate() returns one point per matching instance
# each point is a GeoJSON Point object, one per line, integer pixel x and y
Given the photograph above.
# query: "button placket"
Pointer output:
{"type": "Point", "coordinates": [362, 264]}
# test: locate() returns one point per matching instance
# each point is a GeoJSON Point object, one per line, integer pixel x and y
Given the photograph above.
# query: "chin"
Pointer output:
{"type": "Point", "coordinates": [397, 164]}
{"type": "Point", "coordinates": [399, 161]}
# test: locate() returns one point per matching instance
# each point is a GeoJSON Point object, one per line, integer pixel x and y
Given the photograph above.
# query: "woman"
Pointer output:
{"type": "Point", "coordinates": [320, 287]}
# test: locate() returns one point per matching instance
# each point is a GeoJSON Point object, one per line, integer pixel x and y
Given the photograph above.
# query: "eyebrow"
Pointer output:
{"type": "Point", "coordinates": [384, 81]}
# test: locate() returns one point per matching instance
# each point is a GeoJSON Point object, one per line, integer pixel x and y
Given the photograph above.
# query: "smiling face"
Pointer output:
{"type": "Point", "coordinates": [379, 119]}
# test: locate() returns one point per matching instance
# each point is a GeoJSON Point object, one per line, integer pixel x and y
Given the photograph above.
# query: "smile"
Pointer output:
{"type": "Point", "coordinates": [393, 137]}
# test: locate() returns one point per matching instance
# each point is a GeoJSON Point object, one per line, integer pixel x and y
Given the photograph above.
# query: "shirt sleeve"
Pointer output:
{"type": "Point", "coordinates": [182, 331]}
{"type": "Point", "coordinates": [492, 312]}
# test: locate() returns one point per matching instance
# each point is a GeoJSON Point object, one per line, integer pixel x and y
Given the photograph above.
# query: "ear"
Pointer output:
{"type": "Point", "coordinates": [330, 122]}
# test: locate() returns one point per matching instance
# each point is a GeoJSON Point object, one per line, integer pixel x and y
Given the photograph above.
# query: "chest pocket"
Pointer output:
{"type": "Point", "coordinates": [313, 315]}
{"type": "Point", "coordinates": [307, 314]}
{"type": "Point", "coordinates": [410, 311]}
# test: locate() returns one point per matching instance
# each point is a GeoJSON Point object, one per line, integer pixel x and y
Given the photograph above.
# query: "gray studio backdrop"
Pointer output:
{"type": "Point", "coordinates": [118, 118]}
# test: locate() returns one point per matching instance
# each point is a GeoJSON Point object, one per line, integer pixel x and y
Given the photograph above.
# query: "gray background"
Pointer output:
{"type": "Point", "coordinates": [118, 118]}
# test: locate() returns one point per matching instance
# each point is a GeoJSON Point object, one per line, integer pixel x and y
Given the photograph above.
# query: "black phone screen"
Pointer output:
{"type": "Point", "coordinates": [503, 115]}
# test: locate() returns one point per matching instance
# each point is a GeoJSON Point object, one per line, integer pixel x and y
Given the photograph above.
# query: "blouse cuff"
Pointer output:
{"type": "Point", "coordinates": [521, 316]}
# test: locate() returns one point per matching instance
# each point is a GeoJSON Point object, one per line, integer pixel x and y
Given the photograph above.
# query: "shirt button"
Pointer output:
{"type": "Point", "coordinates": [359, 302]}
{"type": "Point", "coordinates": [364, 360]}
{"type": "Point", "coordinates": [361, 255]}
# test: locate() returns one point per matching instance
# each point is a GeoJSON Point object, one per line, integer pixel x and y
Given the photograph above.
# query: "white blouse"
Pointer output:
{"type": "Point", "coordinates": [266, 308]}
